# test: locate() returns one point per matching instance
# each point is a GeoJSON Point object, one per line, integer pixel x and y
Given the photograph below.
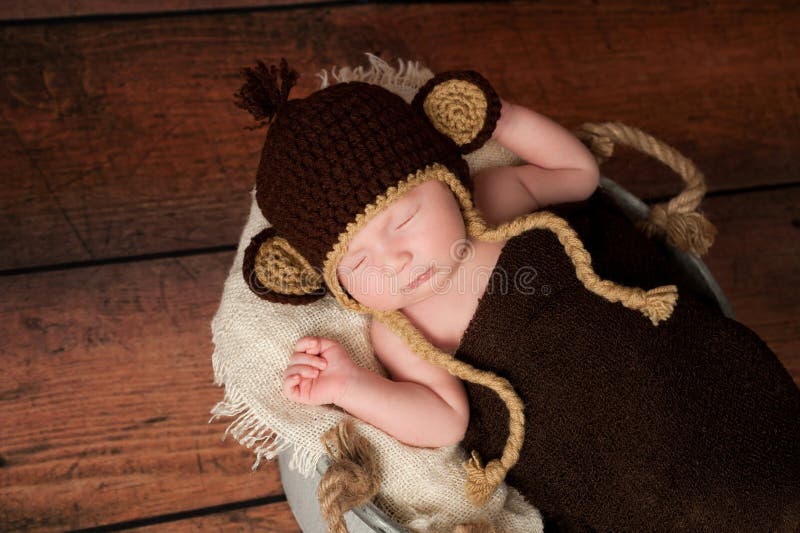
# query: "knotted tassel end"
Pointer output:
{"type": "Point", "coordinates": [659, 303]}
{"type": "Point", "coordinates": [691, 232]}
{"type": "Point", "coordinates": [482, 482]}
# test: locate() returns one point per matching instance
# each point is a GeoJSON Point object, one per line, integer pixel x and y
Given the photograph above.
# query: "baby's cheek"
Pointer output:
{"type": "Point", "coordinates": [343, 281]}
{"type": "Point", "coordinates": [350, 283]}
{"type": "Point", "coordinates": [345, 287]}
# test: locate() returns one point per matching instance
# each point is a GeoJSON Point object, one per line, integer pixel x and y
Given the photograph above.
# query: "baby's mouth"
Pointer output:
{"type": "Point", "coordinates": [422, 278]}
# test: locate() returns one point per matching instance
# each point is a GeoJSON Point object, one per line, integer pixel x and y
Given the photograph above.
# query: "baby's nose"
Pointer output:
{"type": "Point", "coordinates": [397, 262]}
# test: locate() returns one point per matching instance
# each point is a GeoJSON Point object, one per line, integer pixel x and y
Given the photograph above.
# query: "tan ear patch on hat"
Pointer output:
{"type": "Point", "coordinates": [275, 271]}
{"type": "Point", "coordinates": [461, 105]}
{"type": "Point", "coordinates": [456, 108]}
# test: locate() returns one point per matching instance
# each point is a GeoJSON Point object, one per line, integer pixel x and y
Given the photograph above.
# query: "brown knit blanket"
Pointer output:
{"type": "Point", "coordinates": [693, 425]}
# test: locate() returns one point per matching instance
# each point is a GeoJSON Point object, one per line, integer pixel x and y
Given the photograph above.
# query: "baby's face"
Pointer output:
{"type": "Point", "coordinates": [422, 230]}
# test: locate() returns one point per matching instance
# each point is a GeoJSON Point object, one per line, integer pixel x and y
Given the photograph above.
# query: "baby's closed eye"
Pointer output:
{"type": "Point", "coordinates": [408, 217]}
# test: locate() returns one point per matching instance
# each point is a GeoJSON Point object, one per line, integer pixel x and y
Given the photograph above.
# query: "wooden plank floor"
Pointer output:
{"type": "Point", "coordinates": [52, 10]}
{"type": "Point", "coordinates": [125, 187]}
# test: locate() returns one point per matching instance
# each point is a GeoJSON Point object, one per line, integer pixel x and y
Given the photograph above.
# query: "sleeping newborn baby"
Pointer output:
{"type": "Point", "coordinates": [538, 327]}
{"type": "Point", "coordinates": [416, 257]}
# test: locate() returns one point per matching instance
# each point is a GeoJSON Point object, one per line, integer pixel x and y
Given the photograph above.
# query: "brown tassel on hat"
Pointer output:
{"type": "Point", "coordinates": [260, 94]}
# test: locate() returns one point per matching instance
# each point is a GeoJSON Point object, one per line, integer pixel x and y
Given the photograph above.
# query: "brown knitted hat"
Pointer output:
{"type": "Point", "coordinates": [330, 155]}
{"type": "Point", "coordinates": [333, 160]}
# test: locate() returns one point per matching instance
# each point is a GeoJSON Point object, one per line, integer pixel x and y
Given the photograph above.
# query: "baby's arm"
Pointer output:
{"type": "Point", "coordinates": [422, 405]}
{"type": "Point", "coordinates": [425, 406]}
{"type": "Point", "coordinates": [561, 169]}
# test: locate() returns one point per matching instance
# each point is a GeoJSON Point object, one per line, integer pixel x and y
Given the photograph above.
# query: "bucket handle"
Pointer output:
{"type": "Point", "coordinates": [678, 219]}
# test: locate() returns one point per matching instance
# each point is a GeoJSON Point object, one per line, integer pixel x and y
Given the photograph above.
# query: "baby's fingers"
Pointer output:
{"type": "Point", "coordinates": [305, 388]}
{"type": "Point", "coordinates": [308, 344]}
{"type": "Point", "coordinates": [305, 371]}
{"type": "Point", "coordinates": [290, 386]}
{"type": "Point", "coordinates": [313, 345]}
{"type": "Point", "coordinates": [297, 388]}
{"type": "Point", "coordinates": [308, 359]}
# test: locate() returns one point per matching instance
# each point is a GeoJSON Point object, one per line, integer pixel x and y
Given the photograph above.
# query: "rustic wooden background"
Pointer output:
{"type": "Point", "coordinates": [126, 170]}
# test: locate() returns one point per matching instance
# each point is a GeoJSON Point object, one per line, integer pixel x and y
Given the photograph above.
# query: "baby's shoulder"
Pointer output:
{"type": "Point", "coordinates": [500, 196]}
{"type": "Point", "coordinates": [399, 359]}
{"type": "Point", "coordinates": [380, 336]}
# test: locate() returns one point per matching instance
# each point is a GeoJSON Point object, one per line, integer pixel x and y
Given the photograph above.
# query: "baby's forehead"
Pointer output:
{"type": "Point", "coordinates": [397, 204]}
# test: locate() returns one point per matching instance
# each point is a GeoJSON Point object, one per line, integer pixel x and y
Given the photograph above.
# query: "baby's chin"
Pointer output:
{"type": "Point", "coordinates": [395, 305]}
{"type": "Point", "coordinates": [400, 302]}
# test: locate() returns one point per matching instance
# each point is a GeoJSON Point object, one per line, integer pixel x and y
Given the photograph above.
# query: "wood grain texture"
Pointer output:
{"type": "Point", "coordinates": [107, 382]}
{"type": "Point", "coordinates": [48, 9]}
{"type": "Point", "coordinates": [756, 261]}
{"type": "Point", "coordinates": [275, 517]}
{"type": "Point", "coordinates": [120, 136]}
{"type": "Point", "coordinates": [106, 394]}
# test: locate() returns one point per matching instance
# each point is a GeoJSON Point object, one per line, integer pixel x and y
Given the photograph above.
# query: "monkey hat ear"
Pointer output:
{"type": "Point", "coordinates": [275, 271]}
{"type": "Point", "coordinates": [462, 105]}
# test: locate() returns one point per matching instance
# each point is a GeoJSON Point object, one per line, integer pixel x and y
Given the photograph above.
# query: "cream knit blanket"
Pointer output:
{"type": "Point", "coordinates": [422, 488]}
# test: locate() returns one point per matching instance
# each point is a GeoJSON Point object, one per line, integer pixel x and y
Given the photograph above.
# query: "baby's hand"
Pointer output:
{"type": "Point", "coordinates": [318, 371]}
